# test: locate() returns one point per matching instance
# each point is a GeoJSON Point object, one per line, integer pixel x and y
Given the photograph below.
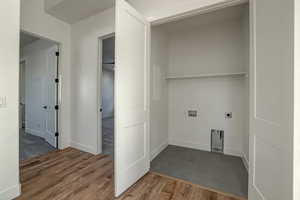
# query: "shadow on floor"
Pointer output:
{"type": "Point", "coordinates": [221, 172]}
{"type": "Point", "coordinates": [32, 146]}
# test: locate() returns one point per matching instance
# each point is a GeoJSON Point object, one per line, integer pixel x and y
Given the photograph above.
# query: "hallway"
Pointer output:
{"type": "Point", "coordinates": [32, 146]}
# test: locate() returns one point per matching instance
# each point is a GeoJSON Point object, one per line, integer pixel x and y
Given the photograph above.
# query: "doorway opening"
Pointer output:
{"type": "Point", "coordinates": [107, 89]}
{"type": "Point", "coordinates": [199, 112]}
{"type": "Point", "coordinates": [39, 91]}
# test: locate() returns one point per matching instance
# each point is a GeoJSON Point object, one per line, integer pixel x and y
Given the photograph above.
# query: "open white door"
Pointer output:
{"type": "Point", "coordinates": [131, 97]}
{"type": "Point", "coordinates": [50, 97]}
{"type": "Point", "coordinates": [271, 111]}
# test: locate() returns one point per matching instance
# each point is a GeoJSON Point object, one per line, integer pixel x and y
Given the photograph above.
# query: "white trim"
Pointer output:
{"type": "Point", "coordinates": [50, 138]}
{"type": "Point", "coordinates": [99, 89]}
{"type": "Point", "coordinates": [205, 147]}
{"type": "Point", "coordinates": [255, 193]}
{"type": "Point", "coordinates": [158, 150]}
{"type": "Point", "coordinates": [246, 162]}
{"type": "Point", "coordinates": [231, 75]}
{"type": "Point", "coordinates": [35, 132]}
{"type": "Point", "coordinates": [84, 148]}
{"type": "Point", "coordinates": [197, 8]}
{"type": "Point", "coordinates": [11, 192]}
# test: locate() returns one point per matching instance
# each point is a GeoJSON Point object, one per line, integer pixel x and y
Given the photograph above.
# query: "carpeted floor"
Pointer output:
{"type": "Point", "coordinates": [108, 136]}
{"type": "Point", "coordinates": [32, 146]}
{"type": "Point", "coordinates": [221, 172]}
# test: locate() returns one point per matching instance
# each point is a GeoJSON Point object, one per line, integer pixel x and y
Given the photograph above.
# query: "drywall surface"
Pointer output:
{"type": "Point", "coordinates": [159, 92]}
{"type": "Point", "coordinates": [9, 95]}
{"type": "Point", "coordinates": [36, 85]}
{"type": "Point", "coordinates": [297, 102]}
{"type": "Point", "coordinates": [211, 98]}
{"type": "Point", "coordinates": [208, 49]}
{"type": "Point", "coordinates": [214, 48]}
{"type": "Point", "coordinates": [156, 9]}
{"type": "Point", "coordinates": [35, 20]}
{"type": "Point", "coordinates": [108, 83]}
{"type": "Point", "coordinates": [85, 66]}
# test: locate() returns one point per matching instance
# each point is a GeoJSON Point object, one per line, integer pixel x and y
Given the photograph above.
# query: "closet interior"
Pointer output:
{"type": "Point", "coordinates": [199, 111]}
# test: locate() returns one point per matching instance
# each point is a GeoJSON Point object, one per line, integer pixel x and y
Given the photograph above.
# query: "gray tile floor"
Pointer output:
{"type": "Point", "coordinates": [221, 172]}
{"type": "Point", "coordinates": [32, 146]}
{"type": "Point", "coordinates": [108, 136]}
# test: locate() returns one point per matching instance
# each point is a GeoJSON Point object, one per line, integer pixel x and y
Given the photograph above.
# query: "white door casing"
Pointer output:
{"type": "Point", "coordinates": [50, 97]}
{"type": "Point", "coordinates": [271, 85]}
{"type": "Point", "coordinates": [22, 93]}
{"type": "Point", "coordinates": [132, 160]}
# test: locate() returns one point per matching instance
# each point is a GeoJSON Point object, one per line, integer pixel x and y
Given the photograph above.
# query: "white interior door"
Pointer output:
{"type": "Point", "coordinates": [271, 112]}
{"type": "Point", "coordinates": [131, 97]}
{"type": "Point", "coordinates": [50, 97]}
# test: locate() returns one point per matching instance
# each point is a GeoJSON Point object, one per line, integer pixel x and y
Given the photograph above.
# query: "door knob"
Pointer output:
{"type": "Point", "coordinates": [45, 107]}
{"type": "Point", "coordinates": [101, 109]}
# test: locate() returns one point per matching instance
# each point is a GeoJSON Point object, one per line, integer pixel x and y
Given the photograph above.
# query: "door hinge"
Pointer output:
{"type": "Point", "coordinates": [56, 134]}
{"type": "Point", "coordinates": [57, 53]}
{"type": "Point", "coordinates": [56, 80]}
{"type": "Point", "coordinates": [56, 107]}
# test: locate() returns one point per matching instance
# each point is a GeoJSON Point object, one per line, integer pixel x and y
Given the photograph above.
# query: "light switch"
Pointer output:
{"type": "Point", "coordinates": [2, 102]}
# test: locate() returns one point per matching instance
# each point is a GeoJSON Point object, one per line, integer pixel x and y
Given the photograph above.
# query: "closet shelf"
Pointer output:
{"type": "Point", "coordinates": [241, 74]}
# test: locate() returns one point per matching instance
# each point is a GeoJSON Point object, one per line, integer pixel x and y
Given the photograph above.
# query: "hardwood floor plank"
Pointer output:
{"type": "Point", "coordinates": [74, 175]}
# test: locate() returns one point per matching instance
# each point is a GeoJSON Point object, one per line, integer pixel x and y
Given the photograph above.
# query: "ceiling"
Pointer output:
{"type": "Point", "coordinates": [71, 11]}
{"type": "Point", "coordinates": [26, 39]}
{"type": "Point", "coordinates": [234, 12]}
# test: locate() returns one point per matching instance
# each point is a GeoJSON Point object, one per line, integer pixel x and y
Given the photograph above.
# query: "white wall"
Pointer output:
{"type": "Point", "coordinates": [159, 92]}
{"type": "Point", "coordinates": [208, 49]}
{"type": "Point", "coordinates": [35, 20]}
{"type": "Point", "coordinates": [85, 56]}
{"type": "Point", "coordinates": [211, 98]}
{"type": "Point", "coordinates": [36, 82]}
{"type": "Point", "coordinates": [9, 89]}
{"type": "Point", "coordinates": [108, 82]}
{"type": "Point", "coordinates": [297, 102]}
{"type": "Point", "coordinates": [216, 47]}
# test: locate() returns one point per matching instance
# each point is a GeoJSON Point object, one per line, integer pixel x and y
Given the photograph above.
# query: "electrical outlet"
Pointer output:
{"type": "Point", "coordinates": [228, 115]}
{"type": "Point", "coordinates": [192, 113]}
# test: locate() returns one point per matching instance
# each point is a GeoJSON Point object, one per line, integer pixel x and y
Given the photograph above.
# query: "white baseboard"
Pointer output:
{"type": "Point", "coordinates": [35, 132]}
{"type": "Point", "coordinates": [11, 192]}
{"type": "Point", "coordinates": [233, 152]}
{"type": "Point", "coordinates": [158, 150]}
{"type": "Point", "coordinates": [205, 147]}
{"type": "Point", "coordinates": [50, 138]}
{"type": "Point", "coordinates": [190, 145]}
{"type": "Point", "coordinates": [84, 148]}
{"type": "Point", "coordinates": [246, 162]}
{"type": "Point", "coordinates": [255, 193]}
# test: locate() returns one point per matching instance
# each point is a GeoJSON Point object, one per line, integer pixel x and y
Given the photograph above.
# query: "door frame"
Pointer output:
{"type": "Point", "coordinates": [99, 89]}
{"type": "Point", "coordinates": [22, 60]}
{"type": "Point", "coordinates": [196, 11]}
{"type": "Point", "coordinates": [58, 86]}
{"type": "Point", "coordinates": [219, 6]}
